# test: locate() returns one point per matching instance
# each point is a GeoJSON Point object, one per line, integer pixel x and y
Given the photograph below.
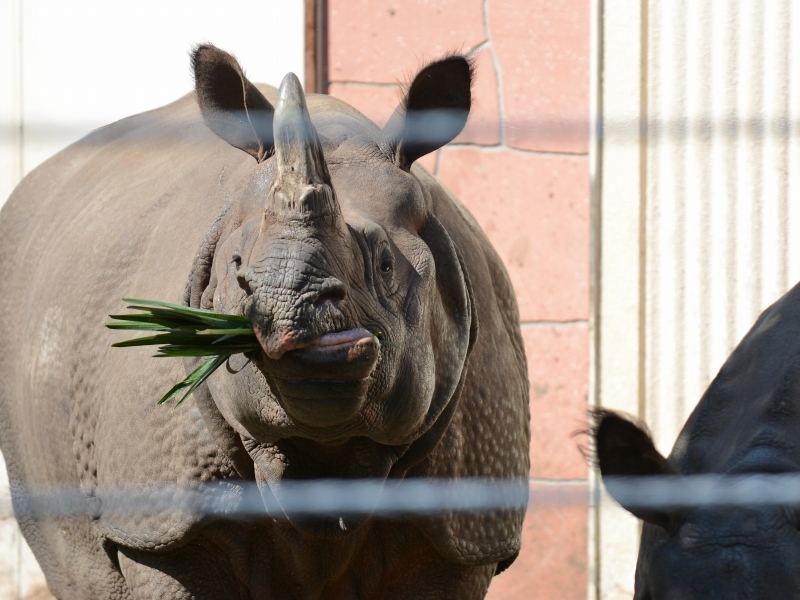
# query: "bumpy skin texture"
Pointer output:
{"type": "Point", "coordinates": [138, 206]}
{"type": "Point", "coordinates": [746, 422]}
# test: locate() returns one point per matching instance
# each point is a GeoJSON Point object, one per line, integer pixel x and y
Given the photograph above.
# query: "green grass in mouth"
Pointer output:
{"type": "Point", "coordinates": [182, 331]}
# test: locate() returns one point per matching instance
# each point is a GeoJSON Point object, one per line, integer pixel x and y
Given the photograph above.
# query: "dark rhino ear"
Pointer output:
{"type": "Point", "coordinates": [624, 450]}
{"type": "Point", "coordinates": [232, 107]}
{"type": "Point", "coordinates": [433, 111]}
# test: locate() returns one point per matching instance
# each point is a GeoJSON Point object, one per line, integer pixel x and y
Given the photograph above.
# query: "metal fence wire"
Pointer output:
{"type": "Point", "coordinates": [330, 497]}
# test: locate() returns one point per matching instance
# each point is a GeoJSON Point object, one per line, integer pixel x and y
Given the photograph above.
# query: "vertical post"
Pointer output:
{"type": "Point", "coordinates": [310, 83]}
{"type": "Point", "coordinates": [595, 169]}
{"type": "Point", "coordinates": [619, 178]}
{"type": "Point", "coordinates": [316, 46]}
{"type": "Point", "coordinates": [322, 46]}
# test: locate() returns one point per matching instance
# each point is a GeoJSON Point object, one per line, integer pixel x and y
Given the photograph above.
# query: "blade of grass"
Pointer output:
{"type": "Point", "coordinates": [169, 305]}
{"type": "Point", "coordinates": [174, 390]}
{"type": "Point", "coordinates": [183, 320]}
{"type": "Point", "coordinates": [190, 379]}
{"type": "Point", "coordinates": [178, 351]}
{"type": "Point", "coordinates": [181, 339]}
{"type": "Point", "coordinates": [227, 332]}
{"type": "Point", "coordinates": [205, 370]}
{"type": "Point", "coordinates": [156, 306]}
{"type": "Point", "coordinates": [224, 338]}
{"type": "Point", "coordinates": [147, 340]}
{"type": "Point", "coordinates": [136, 326]}
{"type": "Point", "coordinates": [163, 338]}
{"type": "Point", "coordinates": [180, 322]}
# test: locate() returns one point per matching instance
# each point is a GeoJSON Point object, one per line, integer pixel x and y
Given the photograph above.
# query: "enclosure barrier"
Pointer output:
{"type": "Point", "coordinates": [331, 497]}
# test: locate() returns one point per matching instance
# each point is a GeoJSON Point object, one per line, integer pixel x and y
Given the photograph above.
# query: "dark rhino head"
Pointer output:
{"type": "Point", "coordinates": [356, 292]}
{"type": "Point", "coordinates": [701, 553]}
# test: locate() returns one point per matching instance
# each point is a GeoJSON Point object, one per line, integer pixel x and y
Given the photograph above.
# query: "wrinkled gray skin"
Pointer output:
{"type": "Point", "coordinates": [322, 235]}
{"type": "Point", "coordinates": [747, 422]}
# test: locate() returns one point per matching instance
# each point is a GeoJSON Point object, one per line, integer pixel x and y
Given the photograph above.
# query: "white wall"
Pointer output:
{"type": "Point", "coordinates": [74, 66]}
{"type": "Point", "coordinates": [698, 226]}
{"type": "Point", "coordinates": [723, 188]}
{"type": "Point", "coordinates": [68, 67]}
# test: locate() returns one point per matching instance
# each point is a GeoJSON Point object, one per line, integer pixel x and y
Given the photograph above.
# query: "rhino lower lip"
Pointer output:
{"type": "Point", "coordinates": [340, 338]}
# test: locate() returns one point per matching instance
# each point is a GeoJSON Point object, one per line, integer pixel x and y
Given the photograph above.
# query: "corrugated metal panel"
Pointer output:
{"type": "Point", "coordinates": [617, 225]}
{"type": "Point", "coordinates": [722, 214]}
{"type": "Point", "coordinates": [717, 180]}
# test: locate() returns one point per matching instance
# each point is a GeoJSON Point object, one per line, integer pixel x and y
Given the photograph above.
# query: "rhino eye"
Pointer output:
{"type": "Point", "coordinates": [387, 263]}
{"type": "Point", "coordinates": [237, 261]}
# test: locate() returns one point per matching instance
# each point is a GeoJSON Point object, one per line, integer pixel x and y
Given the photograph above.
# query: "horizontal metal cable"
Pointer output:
{"type": "Point", "coordinates": [235, 499]}
{"type": "Point", "coordinates": [754, 127]}
{"type": "Point", "coordinates": [746, 490]}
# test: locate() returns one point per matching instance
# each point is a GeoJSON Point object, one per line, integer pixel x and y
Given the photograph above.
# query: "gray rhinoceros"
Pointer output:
{"type": "Point", "coordinates": [746, 423]}
{"type": "Point", "coordinates": [389, 328]}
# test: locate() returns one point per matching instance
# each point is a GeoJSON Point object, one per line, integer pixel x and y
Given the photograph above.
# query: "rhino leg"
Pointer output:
{"type": "Point", "coordinates": [197, 571]}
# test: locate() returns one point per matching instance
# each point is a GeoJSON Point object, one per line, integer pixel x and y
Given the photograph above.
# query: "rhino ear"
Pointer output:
{"type": "Point", "coordinates": [231, 106]}
{"type": "Point", "coordinates": [433, 111]}
{"type": "Point", "coordinates": [624, 451]}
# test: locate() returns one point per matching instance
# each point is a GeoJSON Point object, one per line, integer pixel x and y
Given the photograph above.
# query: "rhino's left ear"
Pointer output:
{"type": "Point", "coordinates": [433, 111]}
{"type": "Point", "coordinates": [232, 107]}
{"type": "Point", "coordinates": [625, 452]}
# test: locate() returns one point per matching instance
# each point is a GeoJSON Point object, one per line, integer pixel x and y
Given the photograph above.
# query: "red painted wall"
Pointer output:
{"type": "Point", "coordinates": [521, 167]}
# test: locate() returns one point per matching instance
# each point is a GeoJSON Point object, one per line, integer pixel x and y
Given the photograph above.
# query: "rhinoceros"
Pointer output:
{"type": "Point", "coordinates": [746, 423]}
{"type": "Point", "coordinates": [390, 346]}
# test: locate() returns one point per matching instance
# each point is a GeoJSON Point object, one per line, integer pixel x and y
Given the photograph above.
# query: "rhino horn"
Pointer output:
{"type": "Point", "coordinates": [302, 186]}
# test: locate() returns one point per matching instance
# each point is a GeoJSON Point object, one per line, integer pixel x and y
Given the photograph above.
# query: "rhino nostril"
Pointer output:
{"type": "Point", "coordinates": [243, 283]}
{"type": "Point", "coordinates": [329, 297]}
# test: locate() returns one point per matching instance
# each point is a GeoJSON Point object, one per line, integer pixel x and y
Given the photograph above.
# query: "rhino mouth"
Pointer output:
{"type": "Point", "coordinates": [324, 382]}
{"type": "Point", "coordinates": [345, 355]}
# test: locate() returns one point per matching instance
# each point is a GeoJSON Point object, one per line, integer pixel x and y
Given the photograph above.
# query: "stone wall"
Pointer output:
{"type": "Point", "coordinates": [521, 167]}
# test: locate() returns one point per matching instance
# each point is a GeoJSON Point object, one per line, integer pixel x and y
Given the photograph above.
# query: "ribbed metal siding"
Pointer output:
{"type": "Point", "coordinates": [722, 205]}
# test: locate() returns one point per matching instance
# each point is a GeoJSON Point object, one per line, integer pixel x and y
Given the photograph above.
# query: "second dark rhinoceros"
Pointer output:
{"type": "Point", "coordinates": [746, 424]}
{"type": "Point", "coordinates": [389, 331]}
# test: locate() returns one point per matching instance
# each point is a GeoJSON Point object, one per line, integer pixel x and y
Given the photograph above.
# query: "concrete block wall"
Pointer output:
{"type": "Point", "coordinates": [521, 166]}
